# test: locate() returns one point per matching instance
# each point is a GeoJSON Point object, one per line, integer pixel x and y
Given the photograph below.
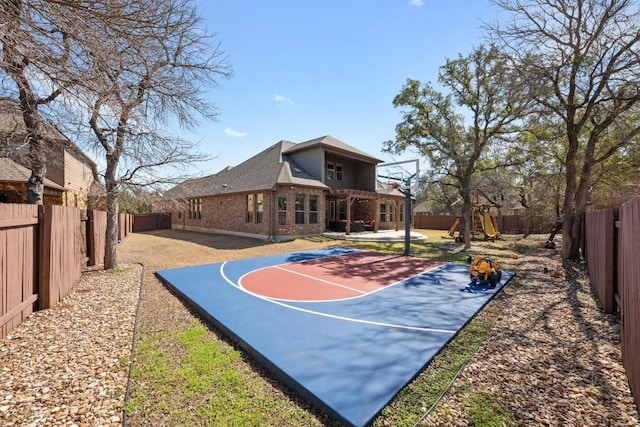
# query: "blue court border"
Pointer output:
{"type": "Point", "coordinates": [347, 357]}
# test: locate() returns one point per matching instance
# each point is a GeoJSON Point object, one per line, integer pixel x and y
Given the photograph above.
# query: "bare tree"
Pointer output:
{"type": "Point", "coordinates": [582, 61]}
{"type": "Point", "coordinates": [458, 133]}
{"type": "Point", "coordinates": [33, 47]}
{"type": "Point", "coordinates": [149, 71]}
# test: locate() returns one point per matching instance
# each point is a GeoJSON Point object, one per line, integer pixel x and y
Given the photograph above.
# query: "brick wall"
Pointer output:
{"type": "Point", "coordinates": [392, 212]}
{"type": "Point", "coordinates": [291, 228]}
{"type": "Point", "coordinates": [228, 213]}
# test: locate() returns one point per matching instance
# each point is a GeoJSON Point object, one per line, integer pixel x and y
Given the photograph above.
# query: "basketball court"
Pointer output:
{"type": "Point", "coordinates": [345, 329]}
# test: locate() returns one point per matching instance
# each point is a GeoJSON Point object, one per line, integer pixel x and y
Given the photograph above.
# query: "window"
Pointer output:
{"type": "Point", "coordinates": [250, 207]}
{"type": "Point", "coordinates": [282, 209]}
{"type": "Point", "coordinates": [334, 171]}
{"type": "Point", "coordinates": [401, 211]}
{"type": "Point", "coordinates": [313, 209]}
{"type": "Point", "coordinates": [259, 208]}
{"type": "Point", "coordinates": [331, 172]}
{"type": "Point", "coordinates": [195, 209]}
{"type": "Point", "coordinates": [392, 212]}
{"type": "Point", "coordinates": [300, 208]}
{"type": "Point", "coordinates": [254, 208]}
{"type": "Point", "coordinates": [383, 212]}
{"type": "Point", "coordinates": [342, 209]}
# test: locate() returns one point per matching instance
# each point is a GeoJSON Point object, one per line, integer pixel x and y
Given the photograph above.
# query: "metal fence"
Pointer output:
{"type": "Point", "coordinates": [43, 250]}
{"type": "Point", "coordinates": [611, 252]}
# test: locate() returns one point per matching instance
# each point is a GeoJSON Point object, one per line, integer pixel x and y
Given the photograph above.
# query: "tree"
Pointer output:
{"type": "Point", "coordinates": [437, 193]}
{"type": "Point", "coordinates": [436, 125]}
{"type": "Point", "coordinates": [147, 72]}
{"type": "Point", "coordinates": [34, 45]}
{"type": "Point", "coordinates": [580, 58]}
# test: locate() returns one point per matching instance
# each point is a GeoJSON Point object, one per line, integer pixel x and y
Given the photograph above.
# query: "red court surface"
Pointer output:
{"type": "Point", "coordinates": [334, 278]}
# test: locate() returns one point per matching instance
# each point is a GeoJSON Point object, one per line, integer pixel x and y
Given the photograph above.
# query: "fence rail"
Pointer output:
{"type": "Point", "coordinates": [43, 250]}
{"type": "Point", "coordinates": [611, 252]}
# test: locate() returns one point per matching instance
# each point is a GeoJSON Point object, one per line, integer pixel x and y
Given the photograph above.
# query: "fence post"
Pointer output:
{"type": "Point", "coordinates": [45, 299]}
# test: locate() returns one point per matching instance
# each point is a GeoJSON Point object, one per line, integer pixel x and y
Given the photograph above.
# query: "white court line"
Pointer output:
{"type": "Point", "coordinates": [331, 316]}
{"type": "Point", "coordinates": [319, 280]}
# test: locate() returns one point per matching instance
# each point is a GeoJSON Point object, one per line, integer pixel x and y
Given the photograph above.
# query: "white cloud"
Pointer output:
{"type": "Point", "coordinates": [416, 3]}
{"type": "Point", "coordinates": [234, 133]}
{"type": "Point", "coordinates": [280, 98]}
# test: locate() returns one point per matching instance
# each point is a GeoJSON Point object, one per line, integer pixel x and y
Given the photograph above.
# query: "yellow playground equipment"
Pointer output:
{"type": "Point", "coordinates": [483, 269]}
{"type": "Point", "coordinates": [482, 222]}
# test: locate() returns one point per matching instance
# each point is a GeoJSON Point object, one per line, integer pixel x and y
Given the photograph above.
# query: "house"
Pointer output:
{"type": "Point", "coordinates": [71, 175]}
{"type": "Point", "coordinates": [13, 184]}
{"type": "Point", "coordinates": [289, 190]}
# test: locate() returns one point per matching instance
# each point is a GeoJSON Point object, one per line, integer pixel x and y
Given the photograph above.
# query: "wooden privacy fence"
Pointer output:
{"type": "Point", "coordinates": [18, 259]}
{"type": "Point", "coordinates": [153, 221]}
{"type": "Point", "coordinates": [507, 224]}
{"type": "Point", "coordinates": [43, 250]}
{"type": "Point", "coordinates": [611, 253]}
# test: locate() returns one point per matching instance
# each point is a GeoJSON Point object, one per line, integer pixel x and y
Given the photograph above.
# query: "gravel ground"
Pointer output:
{"type": "Point", "coordinates": [552, 358]}
{"type": "Point", "coordinates": [68, 366]}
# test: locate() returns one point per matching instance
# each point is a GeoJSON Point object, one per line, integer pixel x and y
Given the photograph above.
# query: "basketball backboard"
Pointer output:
{"type": "Point", "coordinates": [403, 175]}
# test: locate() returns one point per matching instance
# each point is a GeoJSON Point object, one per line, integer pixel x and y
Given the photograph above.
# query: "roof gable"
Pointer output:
{"type": "Point", "coordinates": [330, 143]}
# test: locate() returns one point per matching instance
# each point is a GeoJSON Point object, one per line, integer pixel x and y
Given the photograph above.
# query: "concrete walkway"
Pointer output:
{"type": "Point", "coordinates": [380, 236]}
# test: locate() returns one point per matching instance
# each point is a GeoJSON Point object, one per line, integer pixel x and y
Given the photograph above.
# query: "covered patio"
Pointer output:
{"type": "Point", "coordinates": [365, 216]}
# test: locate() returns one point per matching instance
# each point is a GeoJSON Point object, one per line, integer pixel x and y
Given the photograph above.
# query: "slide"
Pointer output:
{"type": "Point", "coordinates": [487, 226]}
{"type": "Point", "coordinates": [455, 226]}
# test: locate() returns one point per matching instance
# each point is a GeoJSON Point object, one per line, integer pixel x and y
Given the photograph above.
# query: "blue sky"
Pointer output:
{"type": "Point", "coordinates": [308, 68]}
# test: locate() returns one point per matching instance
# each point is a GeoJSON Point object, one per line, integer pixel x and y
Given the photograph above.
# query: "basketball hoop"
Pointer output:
{"type": "Point", "coordinates": [407, 173]}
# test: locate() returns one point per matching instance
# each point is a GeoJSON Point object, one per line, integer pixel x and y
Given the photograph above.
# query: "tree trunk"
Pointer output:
{"type": "Point", "coordinates": [111, 239]}
{"type": "Point", "coordinates": [35, 188]}
{"type": "Point", "coordinates": [570, 248]}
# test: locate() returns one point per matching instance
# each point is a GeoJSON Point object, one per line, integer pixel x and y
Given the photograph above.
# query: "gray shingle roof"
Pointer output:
{"type": "Point", "coordinates": [11, 171]}
{"type": "Point", "coordinates": [263, 171]}
{"type": "Point", "coordinates": [266, 170]}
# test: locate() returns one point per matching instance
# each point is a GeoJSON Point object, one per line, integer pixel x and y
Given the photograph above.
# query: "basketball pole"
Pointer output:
{"type": "Point", "coordinates": [407, 216]}
{"type": "Point", "coordinates": [407, 219]}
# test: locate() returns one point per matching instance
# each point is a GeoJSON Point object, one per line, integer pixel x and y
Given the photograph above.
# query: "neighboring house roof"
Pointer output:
{"type": "Point", "coordinates": [263, 171]}
{"type": "Point", "coordinates": [13, 129]}
{"type": "Point", "coordinates": [332, 144]}
{"type": "Point", "coordinates": [11, 171]}
{"type": "Point", "coordinates": [12, 123]}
